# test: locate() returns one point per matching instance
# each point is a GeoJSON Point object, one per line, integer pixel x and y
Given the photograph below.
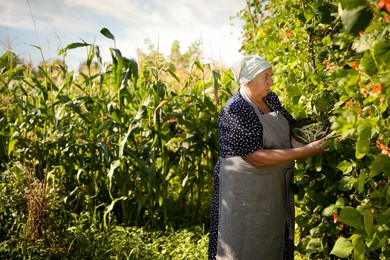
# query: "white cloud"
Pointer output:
{"type": "Point", "coordinates": [54, 24]}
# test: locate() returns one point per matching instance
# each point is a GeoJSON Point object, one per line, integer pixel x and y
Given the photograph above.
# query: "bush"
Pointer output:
{"type": "Point", "coordinates": [331, 59]}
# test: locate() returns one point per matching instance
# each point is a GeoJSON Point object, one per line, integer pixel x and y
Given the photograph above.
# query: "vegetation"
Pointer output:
{"type": "Point", "coordinates": [123, 145]}
{"type": "Point", "coordinates": [332, 59]}
{"type": "Point", "coordinates": [117, 160]}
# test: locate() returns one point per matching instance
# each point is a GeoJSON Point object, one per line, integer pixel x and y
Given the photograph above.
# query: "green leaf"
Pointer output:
{"type": "Point", "coordinates": [387, 194]}
{"type": "Point", "coordinates": [362, 148]}
{"type": "Point", "coordinates": [73, 46]}
{"type": "Point", "coordinates": [314, 245]}
{"type": "Point", "coordinates": [368, 63]}
{"type": "Point", "coordinates": [315, 231]}
{"type": "Point", "coordinates": [123, 142]}
{"type": "Point", "coordinates": [142, 111]}
{"type": "Point", "coordinates": [173, 75]}
{"type": "Point", "coordinates": [199, 65]}
{"type": "Point", "coordinates": [361, 182]}
{"type": "Point", "coordinates": [384, 217]}
{"type": "Point", "coordinates": [368, 222]}
{"type": "Point", "coordinates": [322, 104]}
{"type": "Point", "coordinates": [382, 55]}
{"type": "Point", "coordinates": [364, 132]}
{"type": "Point", "coordinates": [351, 217]}
{"type": "Point", "coordinates": [107, 33]}
{"type": "Point", "coordinates": [340, 202]}
{"type": "Point", "coordinates": [380, 164]}
{"type": "Point", "coordinates": [11, 72]}
{"type": "Point", "coordinates": [117, 59]}
{"type": "Point", "coordinates": [345, 167]}
{"type": "Point", "coordinates": [11, 146]}
{"type": "Point", "coordinates": [361, 208]}
{"type": "Point", "coordinates": [108, 209]}
{"type": "Point", "coordinates": [309, 14]}
{"type": "Point", "coordinates": [356, 19]}
{"type": "Point", "coordinates": [343, 248]}
{"type": "Point", "coordinates": [351, 4]}
{"type": "Point", "coordinates": [365, 129]}
{"type": "Point", "coordinates": [346, 183]}
{"type": "Point", "coordinates": [326, 40]}
{"type": "Point", "coordinates": [359, 247]}
{"type": "Point", "coordinates": [115, 164]}
{"type": "Point", "coordinates": [363, 44]}
{"type": "Point", "coordinates": [328, 211]}
{"type": "Point", "coordinates": [369, 122]}
{"type": "Point", "coordinates": [103, 126]}
{"type": "Point", "coordinates": [352, 79]}
{"type": "Point", "coordinates": [115, 117]}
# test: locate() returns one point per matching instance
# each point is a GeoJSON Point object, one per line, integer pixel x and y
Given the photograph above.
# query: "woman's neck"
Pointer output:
{"type": "Point", "coordinates": [262, 105]}
{"type": "Point", "coordinates": [260, 102]}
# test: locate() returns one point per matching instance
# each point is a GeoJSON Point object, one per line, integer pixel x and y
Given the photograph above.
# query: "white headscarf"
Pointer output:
{"type": "Point", "coordinates": [248, 68]}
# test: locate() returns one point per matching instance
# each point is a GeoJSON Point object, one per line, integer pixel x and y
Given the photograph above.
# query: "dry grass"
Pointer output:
{"type": "Point", "coordinates": [36, 202]}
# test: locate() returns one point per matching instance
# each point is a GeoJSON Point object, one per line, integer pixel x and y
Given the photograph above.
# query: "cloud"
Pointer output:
{"type": "Point", "coordinates": [54, 24]}
{"type": "Point", "coordinates": [14, 14]}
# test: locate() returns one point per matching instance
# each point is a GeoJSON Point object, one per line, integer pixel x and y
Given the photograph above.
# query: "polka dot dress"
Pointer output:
{"type": "Point", "coordinates": [240, 133]}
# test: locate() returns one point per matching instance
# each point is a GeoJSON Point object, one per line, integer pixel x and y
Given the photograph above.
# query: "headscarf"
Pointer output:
{"type": "Point", "coordinates": [248, 68]}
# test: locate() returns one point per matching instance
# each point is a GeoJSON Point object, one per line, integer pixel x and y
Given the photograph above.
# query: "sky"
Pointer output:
{"type": "Point", "coordinates": [53, 24]}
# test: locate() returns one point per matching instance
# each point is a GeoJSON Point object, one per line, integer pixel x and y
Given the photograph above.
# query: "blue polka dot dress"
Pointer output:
{"type": "Point", "coordinates": [240, 133]}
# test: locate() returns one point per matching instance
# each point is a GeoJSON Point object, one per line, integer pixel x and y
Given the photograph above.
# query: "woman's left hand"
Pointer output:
{"type": "Point", "coordinates": [316, 147]}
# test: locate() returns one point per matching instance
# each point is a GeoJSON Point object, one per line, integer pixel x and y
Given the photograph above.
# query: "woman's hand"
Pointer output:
{"type": "Point", "coordinates": [273, 157]}
{"type": "Point", "coordinates": [315, 147]}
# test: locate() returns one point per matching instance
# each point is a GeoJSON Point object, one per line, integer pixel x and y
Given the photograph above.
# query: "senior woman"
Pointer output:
{"type": "Point", "coordinates": [252, 213]}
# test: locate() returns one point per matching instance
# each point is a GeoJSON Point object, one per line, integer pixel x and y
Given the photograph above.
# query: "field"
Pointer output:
{"type": "Point", "coordinates": [116, 160]}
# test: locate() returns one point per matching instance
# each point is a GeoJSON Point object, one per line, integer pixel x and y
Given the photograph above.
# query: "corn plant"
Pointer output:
{"type": "Point", "coordinates": [132, 141]}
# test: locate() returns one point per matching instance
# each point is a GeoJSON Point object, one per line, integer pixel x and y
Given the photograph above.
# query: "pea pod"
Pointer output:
{"type": "Point", "coordinates": [309, 130]}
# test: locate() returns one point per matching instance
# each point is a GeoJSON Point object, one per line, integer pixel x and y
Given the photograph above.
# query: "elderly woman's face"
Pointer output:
{"type": "Point", "coordinates": [261, 84]}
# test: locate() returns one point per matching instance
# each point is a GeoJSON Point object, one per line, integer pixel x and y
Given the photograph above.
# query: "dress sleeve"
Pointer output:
{"type": "Point", "coordinates": [240, 130]}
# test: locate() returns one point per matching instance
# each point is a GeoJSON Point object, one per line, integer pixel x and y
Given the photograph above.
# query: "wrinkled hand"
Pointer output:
{"type": "Point", "coordinates": [316, 147]}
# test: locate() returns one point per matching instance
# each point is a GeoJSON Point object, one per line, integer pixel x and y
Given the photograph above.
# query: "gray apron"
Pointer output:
{"type": "Point", "coordinates": [256, 203]}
